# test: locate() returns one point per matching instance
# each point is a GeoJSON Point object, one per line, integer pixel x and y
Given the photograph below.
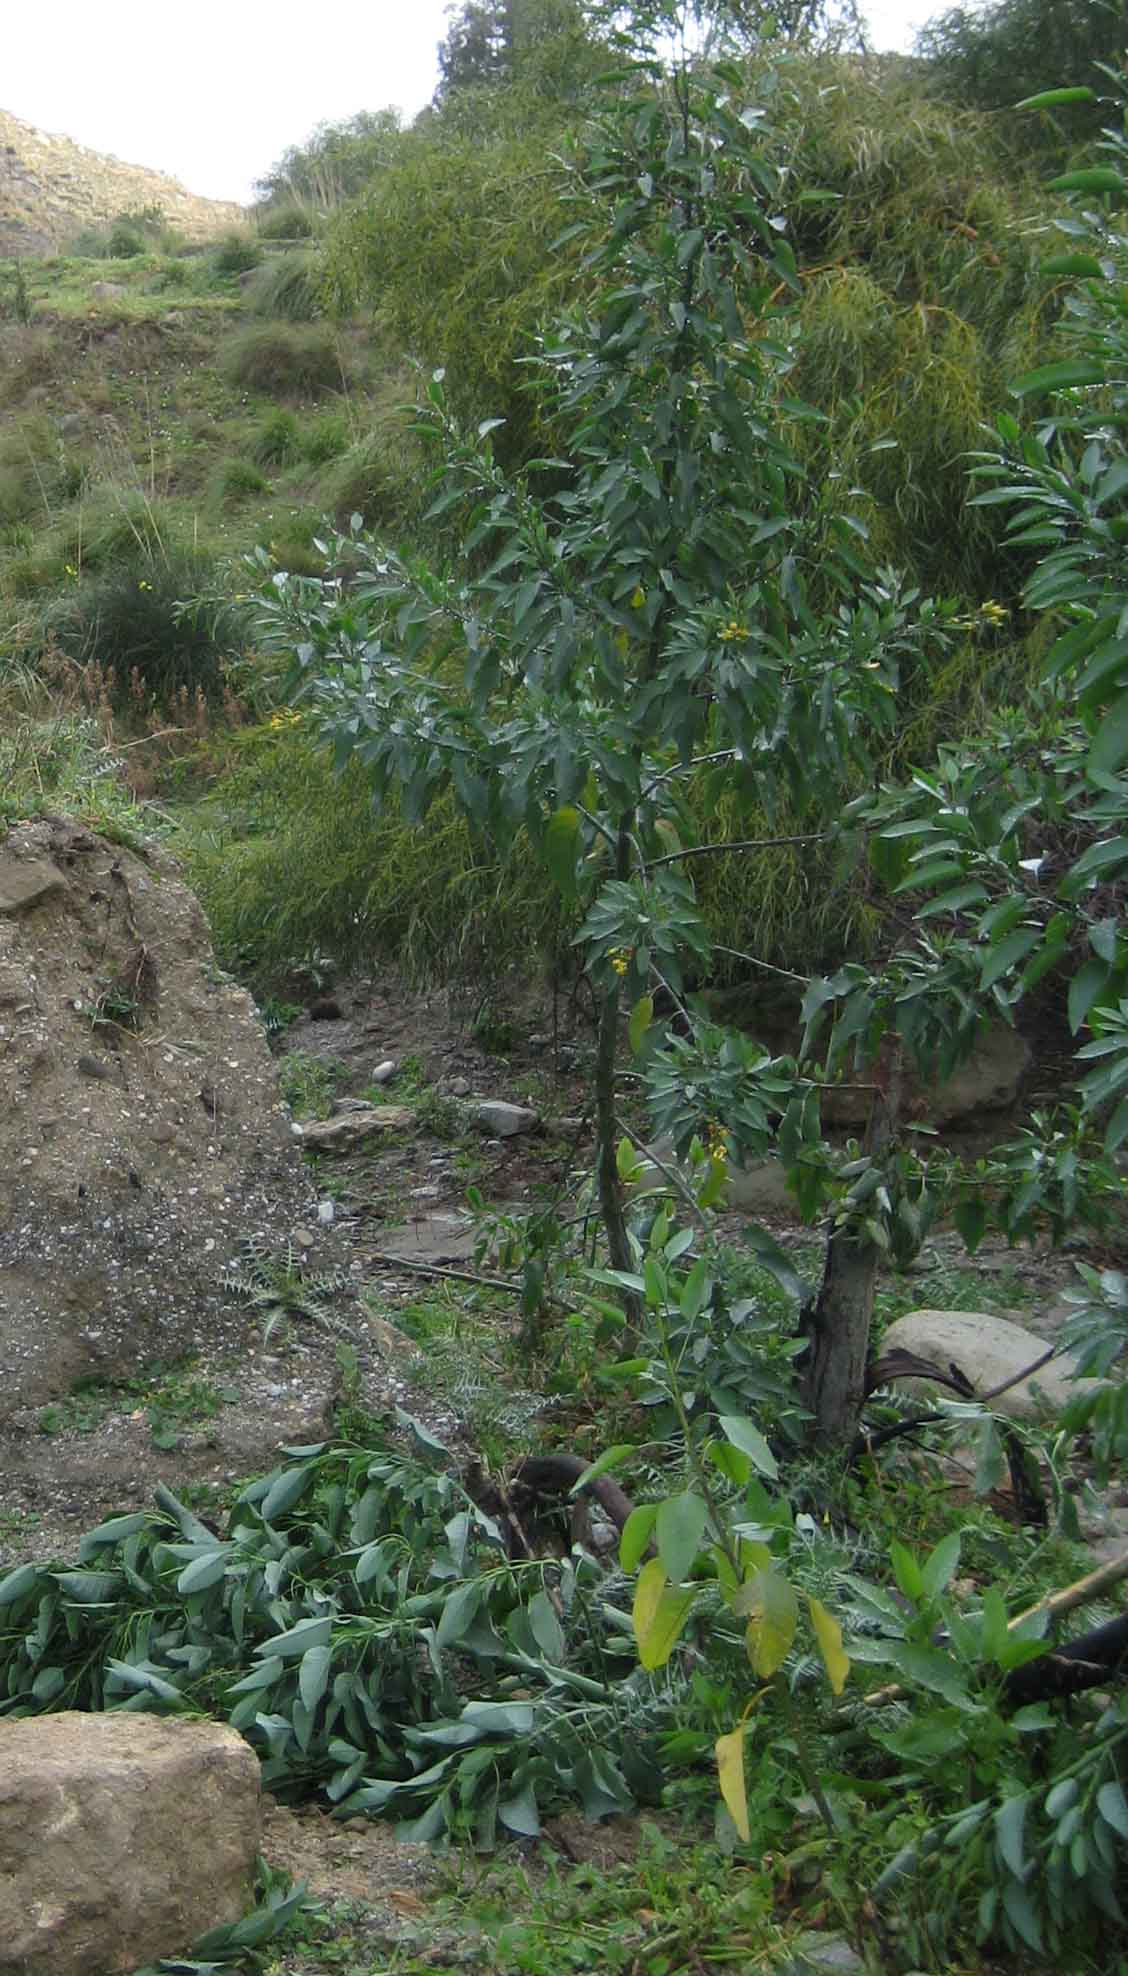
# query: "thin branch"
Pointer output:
{"type": "Point", "coordinates": [455, 1275]}
{"type": "Point", "coordinates": [683, 768]}
{"type": "Point", "coordinates": [769, 967]}
{"type": "Point", "coordinates": [737, 844]}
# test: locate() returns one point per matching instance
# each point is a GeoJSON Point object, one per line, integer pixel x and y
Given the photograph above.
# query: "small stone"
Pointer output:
{"type": "Point", "coordinates": [384, 1071]}
{"type": "Point", "coordinates": [326, 1212]}
{"type": "Point", "coordinates": [504, 1121]}
{"type": "Point", "coordinates": [304, 1237]}
{"type": "Point", "coordinates": [816, 1953]}
{"type": "Point", "coordinates": [460, 1087]}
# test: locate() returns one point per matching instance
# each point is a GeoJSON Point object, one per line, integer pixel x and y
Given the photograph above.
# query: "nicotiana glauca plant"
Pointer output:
{"type": "Point", "coordinates": [671, 606]}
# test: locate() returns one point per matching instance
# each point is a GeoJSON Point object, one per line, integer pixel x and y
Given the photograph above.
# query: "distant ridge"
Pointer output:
{"type": "Point", "coordinates": [51, 188]}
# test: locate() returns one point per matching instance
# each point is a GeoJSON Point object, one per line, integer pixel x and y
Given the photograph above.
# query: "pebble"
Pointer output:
{"type": "Point", "coordinates": [384, 1071]}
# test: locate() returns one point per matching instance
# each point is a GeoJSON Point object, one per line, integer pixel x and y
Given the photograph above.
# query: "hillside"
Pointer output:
{"type": "Point", "coordinates": [51, 187]}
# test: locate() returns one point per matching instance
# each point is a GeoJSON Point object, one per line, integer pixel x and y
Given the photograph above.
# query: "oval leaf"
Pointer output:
{"type": "Point", "coordinates": [750, 1441]}
{"type": "Point", "coordinates": [659, 1614]}
{"type": "Point", "coordinates": [828, 1633]}
{"type": "Point", "coordinates": [678, 1531]}
{"type": "Point", "coordinates": [730, 1774]}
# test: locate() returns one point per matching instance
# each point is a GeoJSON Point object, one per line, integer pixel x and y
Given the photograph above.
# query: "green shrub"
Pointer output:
{"type": "Point", "coordinates": [127, 616]}
{"type": "Point", "coordinates": [297, 861]}
{"type": "Point", "coordinates": [289, 285]}
{"type": "Point", "coordinates": [281, 362]}
{"type": "Point", "coordinates": [278, 442]}
{"type": "Point", "coordinates": [326, 439]}
{"type": "Point", "coordinates": [174, 274]}
{"type": "Point", "coordinates": [236, 254]}
{"type": "Point", "coordinates": [124, 242]}
{"type": "Point", "coordinates": [238, 480]}
{"type": "Point", "coordinates": [378, 478]}
{"type": "Point", "coordinates": [288, 222]}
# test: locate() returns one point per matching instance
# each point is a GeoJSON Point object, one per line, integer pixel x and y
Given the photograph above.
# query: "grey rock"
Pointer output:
{"type": "Point", "coordinates": [814, 1954]}
{"type": "Point", "coordinates": [384, 1071]}
{"type": "Point", "coordinates": [460, 1087]}
{"type": "Point", "coordinates": [123, 1837]}
{"type": "Point", "coordinates": [504, 1121]}
{"type": "Point", "coordinates": [25, 881]}
{"type": "Point", "coordinates": [989, 1350]}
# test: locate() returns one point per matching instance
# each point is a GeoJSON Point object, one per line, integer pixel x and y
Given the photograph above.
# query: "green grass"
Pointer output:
{"type": "Point", "coordinates": [308, 1083]}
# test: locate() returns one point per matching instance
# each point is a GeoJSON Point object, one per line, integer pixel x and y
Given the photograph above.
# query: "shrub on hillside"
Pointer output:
{"type": "Point", "coordinates": [278, 442]}
{"type": "Point", "coordinates": [127, 617]}
{"type": "Point", "coordinates": [281, 362]}
{"type": "Point", "coordinates": [303, 863]}
{"type": "Point", "coordinates": [326, 439]}
{"type": "Point", "coordinates": [288, 222]}
{"type": "Point", "coordinates": [379, 479]}
{"type": "Point", "coordinates": [237, 253]}
{"type": "Point", "coordinates": [238, 480]}
{"type": "Point", "coordinates": [289, 286]}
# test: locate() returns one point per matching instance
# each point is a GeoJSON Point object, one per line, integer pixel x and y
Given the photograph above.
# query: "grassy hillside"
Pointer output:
{"type": "Point", "coordinates": [51, 189]}
{"type": "Point", "coordinates": [166, 408]}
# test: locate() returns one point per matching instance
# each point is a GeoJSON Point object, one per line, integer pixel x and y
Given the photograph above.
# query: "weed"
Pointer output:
{"type": "Point", "coordinates": [171, 1401]}
{"type": "Point", "coordinates": [277, 1015]}
{"type": "Point", "coordinates": [124, 613]}
{"type": "Point", "coordinates": [289, 286]}
{"type": "Point", "coordinates": [282, 1287]}
{"type": "Point", "coordinates": [309, 1083]}
{"type": "Point", "coordinates": [325, 439]}
{"type": "Point", "coordinates": [278, 441]}
{"type": "Point", "coordinates": [237, 481]}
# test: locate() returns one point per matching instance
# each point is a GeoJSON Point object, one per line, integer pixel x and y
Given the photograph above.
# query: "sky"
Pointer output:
{"type": "Point", "coordinates": [213, 91]}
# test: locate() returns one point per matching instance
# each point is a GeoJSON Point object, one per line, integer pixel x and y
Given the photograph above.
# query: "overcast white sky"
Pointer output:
{"type": "Point", "coordinates": [213, 91]}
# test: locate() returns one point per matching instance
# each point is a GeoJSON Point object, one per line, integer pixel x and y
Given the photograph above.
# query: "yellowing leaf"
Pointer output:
{"type": "Point", "coordinates": [828, 1633]}
{"type": "Point", "coordinates": [771, 1608]}
{"type": "Point", "coordinates": [730, 1774]}
{"type": "Point", "coordinates": [659, 1614]}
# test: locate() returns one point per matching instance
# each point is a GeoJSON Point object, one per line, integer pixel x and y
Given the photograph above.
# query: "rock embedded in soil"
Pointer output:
{"type": "Point", "coordinates": [125, 1187]}
{"type": "Point", "coordinates": [989, 1350]}
{"type": "Point", "coordinates": [346, 1129]}
{"type": "Point", "coordinates": [502, 1120]}
{"type": "Point", "coordinates": [123, 1837]}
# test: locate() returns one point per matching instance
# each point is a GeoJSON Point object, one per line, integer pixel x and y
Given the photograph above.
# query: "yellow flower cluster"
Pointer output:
{"type": "Point", "coordinates": [620, 961]}
{"type": "Point", "coordinates": [284, 717]}
{"type": "Point", "coordinates": [729, 633]}
{"type": "Point", "coordinates": [994, 612]}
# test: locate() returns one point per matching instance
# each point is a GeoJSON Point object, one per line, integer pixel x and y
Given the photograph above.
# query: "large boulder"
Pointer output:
{"type": "Point", "coordinates": [142, 1134]}
{"type": "Point", "coordinates": [988, 1350]}
{"type": "Point", "coordinates": [123, 1838]}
